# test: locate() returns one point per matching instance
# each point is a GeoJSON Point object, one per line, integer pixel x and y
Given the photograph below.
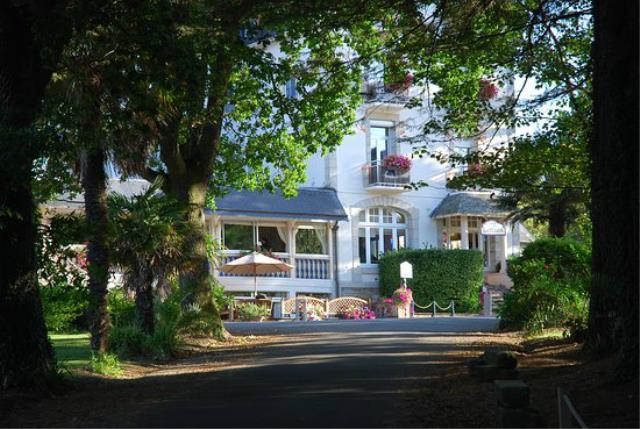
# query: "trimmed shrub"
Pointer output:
{"type": "Point", "coordinates": [251, 311]}
{"type": "Point", "coordinates": [438, 274]}
{"type": "Point", "coordinates": [550, 287]}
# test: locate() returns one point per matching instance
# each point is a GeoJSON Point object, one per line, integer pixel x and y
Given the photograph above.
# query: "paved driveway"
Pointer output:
{"type": "Point", "coordinates": [323, 374]}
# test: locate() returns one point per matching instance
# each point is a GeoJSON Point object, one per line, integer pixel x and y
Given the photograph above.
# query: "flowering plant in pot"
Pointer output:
{"type": "Point", "coordinates": [400, 163]}
{"type": "Point", "coordinates": [402, 296]}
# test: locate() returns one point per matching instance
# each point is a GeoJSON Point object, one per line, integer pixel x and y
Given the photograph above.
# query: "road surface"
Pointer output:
{"type": "Point", "coordinates": [323, 374]}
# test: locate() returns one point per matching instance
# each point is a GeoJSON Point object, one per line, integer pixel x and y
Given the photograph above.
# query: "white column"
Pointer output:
{"type": "Point", "coordinates": [330, 251]}
{"type": "Point", "coordinates": [503, 254]}
{"type": "Point", "coordinates": [464, 232]}
{"type": "Point", "coordinates": [291, 231]}
{"type": "Point", "coordinates": [481, 243]}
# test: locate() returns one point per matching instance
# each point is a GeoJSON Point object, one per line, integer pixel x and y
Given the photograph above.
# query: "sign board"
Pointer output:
{"type": "Point", "coordinates": [406, 270]}
{"type": "Point", "coordinates": [491, 227]}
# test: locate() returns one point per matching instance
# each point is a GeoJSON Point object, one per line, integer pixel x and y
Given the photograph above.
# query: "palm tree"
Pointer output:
{"type": "Point", "coordinates": [148, 241]}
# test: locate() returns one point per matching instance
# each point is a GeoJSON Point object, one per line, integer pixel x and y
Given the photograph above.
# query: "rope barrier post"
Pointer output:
{"type": "Point", "coordinates": [453, 308]}
{"type": "Point", "coordinates": [433, 311]}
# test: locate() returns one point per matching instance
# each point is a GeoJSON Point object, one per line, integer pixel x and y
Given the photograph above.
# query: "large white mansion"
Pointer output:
{"type": "Point", "coordinates": [352, 209]}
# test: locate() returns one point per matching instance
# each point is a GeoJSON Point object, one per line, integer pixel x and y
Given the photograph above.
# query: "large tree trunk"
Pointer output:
{"type": "Point", "coordinates": [195, 277]}
{"type": "Point", "coordinates": [94, 183]}
{"type": "Point", "coordinates": [26, 356]}
{"type": "Point", "coordinates": [613, 319]}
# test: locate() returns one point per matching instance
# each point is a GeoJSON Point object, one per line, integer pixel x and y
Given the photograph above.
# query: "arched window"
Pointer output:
{"type": "Point", "coordinates": [380, 230]}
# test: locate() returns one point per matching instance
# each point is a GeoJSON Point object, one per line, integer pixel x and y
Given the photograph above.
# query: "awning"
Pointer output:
{"type": "Point", "coordinates": [469, 204]}
{"type": "Point", "coordinates": [310, 203]}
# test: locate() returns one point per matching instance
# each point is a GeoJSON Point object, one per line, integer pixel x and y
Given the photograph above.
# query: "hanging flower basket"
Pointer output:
{"type": "Point", "coordinates": [399, 163]}
{"type": "Point", "coordinates": [488, 90]}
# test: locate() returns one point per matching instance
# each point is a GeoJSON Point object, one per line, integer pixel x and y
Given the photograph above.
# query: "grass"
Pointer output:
{"type": "Point", "coordinates": [72, 350]}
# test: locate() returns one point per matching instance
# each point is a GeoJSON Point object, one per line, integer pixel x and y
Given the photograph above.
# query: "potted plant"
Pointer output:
{"type": "Point", "coordinates": [402, 298]}
{"type": "Point", "coordinates": [398, 163]}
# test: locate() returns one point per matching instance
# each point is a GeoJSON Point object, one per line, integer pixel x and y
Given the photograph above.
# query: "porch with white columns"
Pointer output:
{"type": "Point", "coordinates": [313, 271]}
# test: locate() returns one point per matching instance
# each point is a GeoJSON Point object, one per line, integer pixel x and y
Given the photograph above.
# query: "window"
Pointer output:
{"type": "Point", "coordinates": [290, 90]}
{"type": "Point", "coordinates": [311, 240]}
{"type": "Point", "coordinates": [238, 237]}
{"type": "Point", "coordinates": [254, 237]}
{"type": "Point", "coordinates": [379, 143]}
{"type": "Point", "coordinates": [272, 239]}
{"type": "Point", "coordinates": [383, 231]}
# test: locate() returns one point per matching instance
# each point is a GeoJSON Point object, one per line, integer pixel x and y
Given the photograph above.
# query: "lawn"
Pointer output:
{"type": "Point", "coordinates": [72, 350]}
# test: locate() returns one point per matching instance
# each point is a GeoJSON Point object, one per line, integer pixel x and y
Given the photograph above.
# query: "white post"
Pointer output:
{"type": "Point", "coordinates": [487, 303]}
{"type": "Point", "coordinates": [481, 247]}
{"type": "Point", "coordinates": [291, 232]}
{"type": "Point", "coordinates": [330, 252]}
{"type": "Point", "coordinates": [464, 232]}
{"type": "Point", "coordinates": [503, 254]}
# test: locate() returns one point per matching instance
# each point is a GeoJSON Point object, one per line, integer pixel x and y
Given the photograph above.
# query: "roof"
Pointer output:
{"type": "Point", "coordinates": [466, 203]}
{"type": "Point", "coordinates": [310, 203]}
{"type": "Point", "coordinates": [128, 188]}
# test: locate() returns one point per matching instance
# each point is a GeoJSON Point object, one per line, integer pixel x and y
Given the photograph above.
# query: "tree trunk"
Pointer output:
{"type": "Point", "coordinates": [94, 183]}
{"type": "Point", "coordinates": [558, 218]}
{"type": "Point", "coordinates": [26, 356]}
{"type": "Point", "coordinates": [195, 278]}
{"type": "Point", "coordinates": [144, 299]}
{"type": "Point", "coordinates": [613, 318]}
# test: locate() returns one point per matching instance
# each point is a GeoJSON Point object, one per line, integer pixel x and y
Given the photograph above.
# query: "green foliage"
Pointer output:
{"type": "Point", "coordinates": [127, 338]}
{"type": "Point", "coordinates": [221, 299]}
{"type": "Point", "coordinates": [106, 364]}
{"type": "Point", "coordinates": [251, 311]}
{"type": "Point", "coordinates": [62, 277]}
{"type": "Point", "coordinates": [439, 274]}
{"type": "Point", "coordinates": [551, 287]}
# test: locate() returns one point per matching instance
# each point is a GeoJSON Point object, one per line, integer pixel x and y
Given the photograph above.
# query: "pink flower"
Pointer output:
{"type": "Point", "coordinates": [488, 90]}
{"type": "Point", "coordinates": [400, 162]}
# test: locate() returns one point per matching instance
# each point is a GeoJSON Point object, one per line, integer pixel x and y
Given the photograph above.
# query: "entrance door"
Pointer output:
{"type": "Point", "coordinates": [490, 254]}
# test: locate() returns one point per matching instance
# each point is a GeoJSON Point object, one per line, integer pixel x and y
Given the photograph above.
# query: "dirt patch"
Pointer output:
{"type": "Point", "coordinates": [452, 398]}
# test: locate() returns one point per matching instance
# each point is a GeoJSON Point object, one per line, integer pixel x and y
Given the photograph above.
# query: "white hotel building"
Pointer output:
{"type": "Point", "coordinates": [352, 209]}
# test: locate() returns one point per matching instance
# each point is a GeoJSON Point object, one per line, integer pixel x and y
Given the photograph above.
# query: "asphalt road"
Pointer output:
{"type": "Point", "coordinates": [324, 374]}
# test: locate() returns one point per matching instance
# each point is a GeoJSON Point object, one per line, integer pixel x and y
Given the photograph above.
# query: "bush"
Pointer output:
{"type": "Point", "coordinates": [127, 337]}
{"type": "Point", "coordinates": [251, 311]}
{"type": "Point", "coordinates": [63, 306]}
{"type": "Point", "coordinates": [106, 364]}
{"type": "Point", "coordinates": [61, 276]}
{"type": "Point", "coordinates": [438, 274]}
{"type": "Point", "coordinates": [550, 287]}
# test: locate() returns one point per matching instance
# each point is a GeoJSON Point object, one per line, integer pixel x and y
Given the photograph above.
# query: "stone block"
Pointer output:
{"type": "Point", "coordinates": [512, 393]}
{"type": "Point", "coordinates": [519, 418]}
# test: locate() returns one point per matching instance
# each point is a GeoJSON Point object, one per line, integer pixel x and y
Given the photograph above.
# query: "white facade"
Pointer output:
{"type": "Point", "coordinates": [381, 213]}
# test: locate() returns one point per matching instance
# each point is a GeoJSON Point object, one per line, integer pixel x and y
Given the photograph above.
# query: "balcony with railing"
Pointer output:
{"type": "Point", "coordinates": [314, 267]}
{"type": "Point", "coordinates": [379, 92]}
{"type": "Point", "coordinates": [379, 177]}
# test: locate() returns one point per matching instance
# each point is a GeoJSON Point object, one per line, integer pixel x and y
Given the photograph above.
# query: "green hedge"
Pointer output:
{"type": "Point", "coordinates": [439, 274]}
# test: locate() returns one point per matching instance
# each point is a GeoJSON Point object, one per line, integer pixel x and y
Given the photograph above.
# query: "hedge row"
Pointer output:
{"type": "Point", "coordinates": [439, 274]}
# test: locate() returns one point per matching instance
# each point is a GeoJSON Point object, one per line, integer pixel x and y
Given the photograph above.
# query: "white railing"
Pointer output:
{"type": "Point", "coordinates": [307, 266]}
{"type": "Point", "coordinates": [312, 266]}
{"type": "Point", "coordinates": [232, 256]}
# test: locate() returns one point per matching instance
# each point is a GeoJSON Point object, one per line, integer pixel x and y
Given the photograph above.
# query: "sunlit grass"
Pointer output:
{"type": "Point", "coordinates": [72, 350]}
